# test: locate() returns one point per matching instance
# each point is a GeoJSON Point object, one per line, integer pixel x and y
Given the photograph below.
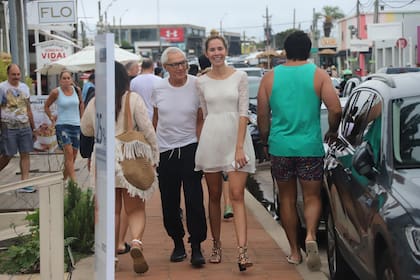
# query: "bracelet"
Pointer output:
{"type": "Point", "coordinates": [265, 145]}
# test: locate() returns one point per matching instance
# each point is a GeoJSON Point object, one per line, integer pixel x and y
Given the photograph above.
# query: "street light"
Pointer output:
{"type": "Point", "coordinates": [119, 30]}
{"type": "Point", "coordinates": [221, 20]}
{"type": "Point", "coordinates": [106, 11]}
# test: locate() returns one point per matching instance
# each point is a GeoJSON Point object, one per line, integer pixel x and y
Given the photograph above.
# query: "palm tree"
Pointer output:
{"type": "Point", "coordinates": [330, 14]}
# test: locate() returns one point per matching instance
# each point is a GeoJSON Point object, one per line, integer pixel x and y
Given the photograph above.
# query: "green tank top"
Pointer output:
{"type": "Point", "coordinates": [295, 125]}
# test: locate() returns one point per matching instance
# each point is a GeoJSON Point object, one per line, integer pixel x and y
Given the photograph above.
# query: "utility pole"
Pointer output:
{"type": "Point", "coordinates": [100, 25]}
{"type": "Point", "coordinates": [315, 36]}
{"type": "Point", "coordinates": [13, 32]}
{"type": "Point", "coordinates": [376, 12]}
{"type": "Point", "coordinates": [358, 19]}
{"type": "Point", "coordinates": [267, 29]}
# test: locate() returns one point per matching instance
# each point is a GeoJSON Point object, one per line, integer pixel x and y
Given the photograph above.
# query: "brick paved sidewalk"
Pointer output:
{"type": "Point", "coordinates": [268, 258]}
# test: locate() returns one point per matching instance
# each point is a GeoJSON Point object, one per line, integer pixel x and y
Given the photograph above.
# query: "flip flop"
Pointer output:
{"type": "Point", "coordinates": [127, 248]}
{"type": "Point", "coordinates": [313, 261]}
{"type": "Point", "coordinates": [292, 261]}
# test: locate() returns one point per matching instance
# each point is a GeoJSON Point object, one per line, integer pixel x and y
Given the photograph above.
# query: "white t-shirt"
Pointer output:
{"type": "Point", "coordinates": [13, 101]}
{"type": "Point", "coordinates": [143, 85]}
{"type": "Point", "coordinates": [177, 113]}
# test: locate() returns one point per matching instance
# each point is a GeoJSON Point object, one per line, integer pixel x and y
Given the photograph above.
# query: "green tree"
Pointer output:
{"type": "Point", "coordinates": [281, 37]}
{"type": "Point", "coordinates": [330, 14]}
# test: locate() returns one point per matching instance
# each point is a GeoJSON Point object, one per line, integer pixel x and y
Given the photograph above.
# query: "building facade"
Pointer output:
{"type": "Point", "coordinates": [364, 46]}
{"type": "Point", "coordinates": [151, 40]}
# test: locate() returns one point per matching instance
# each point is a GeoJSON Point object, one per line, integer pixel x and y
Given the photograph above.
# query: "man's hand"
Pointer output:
{"type": "Point", "coordinates": [330, 137]}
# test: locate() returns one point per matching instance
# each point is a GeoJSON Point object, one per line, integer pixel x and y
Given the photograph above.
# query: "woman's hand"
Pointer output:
{"type": "Point", "coordinates": [53, 119]}
{"type": "Point", "coordinates": [241, 159]}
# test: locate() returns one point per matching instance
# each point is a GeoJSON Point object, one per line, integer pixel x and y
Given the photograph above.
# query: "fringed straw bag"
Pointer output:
{"type": "Point", "coordinates": [135, 153]}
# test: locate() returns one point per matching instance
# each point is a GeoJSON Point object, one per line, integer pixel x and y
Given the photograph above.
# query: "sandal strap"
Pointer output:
{"type": "Point", "coordinates": [137, 242]}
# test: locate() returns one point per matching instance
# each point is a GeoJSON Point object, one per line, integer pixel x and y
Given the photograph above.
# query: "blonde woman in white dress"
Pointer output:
{"type": "Point", "coordinates": [225, 144]}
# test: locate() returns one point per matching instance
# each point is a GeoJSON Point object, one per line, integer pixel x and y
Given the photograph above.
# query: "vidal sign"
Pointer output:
{"type": "Point", "coordinates": [51, 51]}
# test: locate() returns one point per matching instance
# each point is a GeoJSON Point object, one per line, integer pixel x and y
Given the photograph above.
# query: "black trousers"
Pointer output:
{"type": "Point", "coordinates": [176, 169]}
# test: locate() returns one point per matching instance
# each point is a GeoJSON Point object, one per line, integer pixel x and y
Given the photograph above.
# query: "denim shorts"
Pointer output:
{"type": "Point", "coordinates": [305, 168]}
{"type": "Point", "coordinates": [14, 140]}
{"type": "Point", "coordinates": [68, 134]}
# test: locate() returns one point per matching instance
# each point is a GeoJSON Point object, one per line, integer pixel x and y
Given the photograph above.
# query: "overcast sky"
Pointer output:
{"type": "Point", "coordinates": [234, 15]}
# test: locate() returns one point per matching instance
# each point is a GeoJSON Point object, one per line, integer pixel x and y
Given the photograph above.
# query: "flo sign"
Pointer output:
{"type": "Point", "coordinates": [56, 12]}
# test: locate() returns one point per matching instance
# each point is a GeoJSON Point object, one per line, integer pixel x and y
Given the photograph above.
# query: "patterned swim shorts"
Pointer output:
{"type": "Point", "coordinates": [305, 168]}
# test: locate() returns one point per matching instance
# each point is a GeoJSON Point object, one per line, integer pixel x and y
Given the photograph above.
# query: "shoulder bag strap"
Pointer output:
{"type": "Point", "coordinates": [128, 119]}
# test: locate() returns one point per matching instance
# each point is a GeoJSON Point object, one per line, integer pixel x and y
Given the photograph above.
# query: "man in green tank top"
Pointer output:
{"type": "Point", "coordinates": [289, 101]}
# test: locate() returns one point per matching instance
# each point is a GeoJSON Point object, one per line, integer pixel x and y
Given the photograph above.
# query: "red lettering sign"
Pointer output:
{"type": "Point", "coordinates": [401, 43]}
{"type": "Point", "coordinates": [53, 55]}
{"type": "Point", "coordinates": [172, 35]}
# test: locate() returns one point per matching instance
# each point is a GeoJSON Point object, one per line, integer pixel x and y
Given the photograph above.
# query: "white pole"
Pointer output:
{"type": "Point", "coordinates": [6, 25]}
{"type": "Point", "coordinates": [38, 74]}
{"type": "Point", "coordinates": [1, 39]}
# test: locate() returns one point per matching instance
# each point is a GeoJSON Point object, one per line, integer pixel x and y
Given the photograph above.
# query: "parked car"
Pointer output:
{"type": "Point", "coordinates": [398, 70]}
{"type": "Point", "coordinates": [253, 86]}
{"type": "Point", "coordinates": [372, 182]}
{"type": "Point", "coordinates": [350, 85]}
{"type": "Point", "coordinates": [252, 71]}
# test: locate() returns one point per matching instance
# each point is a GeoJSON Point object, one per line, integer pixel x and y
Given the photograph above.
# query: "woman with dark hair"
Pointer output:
{"type": "Point", "coordinates": [132, 198]}
{"type": "Point", "coordinates": [68, 99]}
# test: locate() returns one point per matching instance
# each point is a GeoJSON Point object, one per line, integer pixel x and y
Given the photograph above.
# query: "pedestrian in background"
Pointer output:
{"type": "Point", "coordinates": [224, 99]}
{"type": "Point", "coordinates": [87, 86]}
{"type": "Point", "coordinates": [17, 123]}
{"type": "Point", "coordinates": [143, 84]}
{"type": "Point", "coordinates": [289, 101]}
{"type": "Point", "coordinates": [193, 69]}
{"type": "Point", "coordinates": [133, 69]}
{"type": "Point", "coordinates": [178, 119]}
{"type": "Point", "coordinates": [67, 121]}
{"type": "Point", "coordinates": [158, 71]}
{"type": "Point", "coordinates": [132, 199]}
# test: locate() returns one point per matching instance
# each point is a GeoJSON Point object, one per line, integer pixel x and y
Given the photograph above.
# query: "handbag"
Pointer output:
{"type": "Point", "coordinates": [134, 154]}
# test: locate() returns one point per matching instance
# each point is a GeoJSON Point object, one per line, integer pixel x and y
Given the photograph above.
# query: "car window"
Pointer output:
{"type": "Point", "coordinates": [406, 131]}
{"type": "Point", "coordinates": [350, 85]}
{"type": "Point", "coordinates": [357, 117]}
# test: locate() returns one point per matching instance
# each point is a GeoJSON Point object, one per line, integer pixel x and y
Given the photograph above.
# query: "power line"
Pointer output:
{"type": "Point", "coordinates": [399, 7]}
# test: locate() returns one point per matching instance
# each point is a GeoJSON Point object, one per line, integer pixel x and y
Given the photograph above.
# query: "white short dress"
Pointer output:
{"type": "Point", "coordinates": [223, 102]}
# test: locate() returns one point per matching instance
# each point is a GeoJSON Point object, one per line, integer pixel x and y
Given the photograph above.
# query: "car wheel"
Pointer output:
{"type": "Point", "coordinates": [384, 269]}
{"type": "Point", "coordinates": [338, 267]}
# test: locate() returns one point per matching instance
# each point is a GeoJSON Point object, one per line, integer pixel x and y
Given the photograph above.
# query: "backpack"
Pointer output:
{"type": "Point", "coordinates": [86, 143]}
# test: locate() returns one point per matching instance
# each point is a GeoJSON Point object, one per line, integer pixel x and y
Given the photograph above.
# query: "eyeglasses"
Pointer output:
{"type": "Point", "coordinates": [177, 64]}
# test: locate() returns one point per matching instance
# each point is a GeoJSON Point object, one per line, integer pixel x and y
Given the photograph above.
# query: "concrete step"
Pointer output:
{"type": "Point", "coordinates": [13, 224]}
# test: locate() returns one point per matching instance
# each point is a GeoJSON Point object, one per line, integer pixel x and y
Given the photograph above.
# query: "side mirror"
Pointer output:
{"type": "Point", "coordinates": [363, 161]}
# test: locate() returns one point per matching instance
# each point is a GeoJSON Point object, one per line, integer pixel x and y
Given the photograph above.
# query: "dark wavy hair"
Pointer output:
{"type": "Point", "coordinates": [122, 84]}
{"type": "Point", "coordinates": [297, 46]}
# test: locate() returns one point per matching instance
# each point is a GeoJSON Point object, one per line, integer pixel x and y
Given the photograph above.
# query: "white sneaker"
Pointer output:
{"type": "Point", "coordinates": [26, 190]}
